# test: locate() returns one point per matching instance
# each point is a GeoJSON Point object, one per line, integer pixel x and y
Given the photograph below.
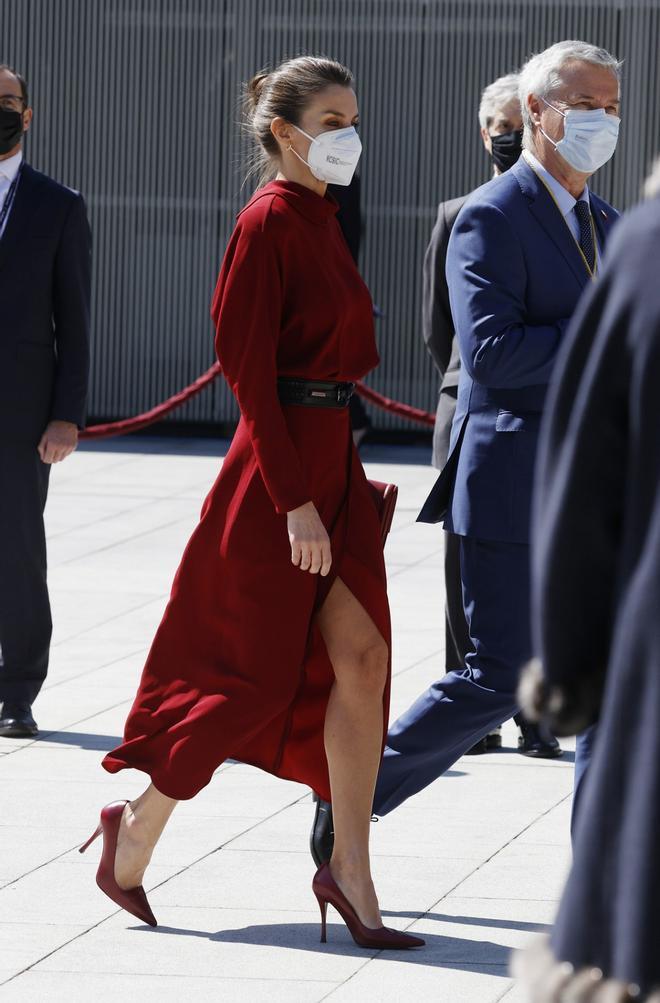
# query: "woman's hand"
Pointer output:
{"type": "Point", "coordinates": [310, 543]}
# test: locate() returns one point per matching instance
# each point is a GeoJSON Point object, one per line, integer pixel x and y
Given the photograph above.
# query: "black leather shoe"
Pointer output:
{"type": "Point", "coordinates": [322, 836]}
{"type": "Point", "coordinates": [16, 721]}
{"type": "Point", "coordinates": [489, 743]}
{"type": "Point", "coordinates": [536, 740]}
{"type": "Point", "coordinates": [494, 740]}
{"type": "Point", "coordinates": [478, 748]}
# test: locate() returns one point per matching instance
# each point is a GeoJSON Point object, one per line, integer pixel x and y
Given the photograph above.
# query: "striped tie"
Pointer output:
{"type": "Point", "coordinates": [583, 213]}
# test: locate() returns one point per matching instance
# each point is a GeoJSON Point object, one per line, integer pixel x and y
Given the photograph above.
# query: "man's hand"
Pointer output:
{"type": "Point", "coordinates": [58, 441]}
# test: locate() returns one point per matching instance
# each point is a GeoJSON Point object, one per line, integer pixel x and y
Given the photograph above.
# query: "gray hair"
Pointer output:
{"type": "Point", "coordinates": [540, 74]}
{"type": "Point", "coordinates": [652, 183]}
{"type": "Point", "coordinates": [496, 96]}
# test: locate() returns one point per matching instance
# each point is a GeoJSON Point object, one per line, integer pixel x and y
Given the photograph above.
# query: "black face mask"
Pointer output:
{"type": "Point", "coordinates": [506, 149]}
{"type": "Point", "coordinates": [11, 129]}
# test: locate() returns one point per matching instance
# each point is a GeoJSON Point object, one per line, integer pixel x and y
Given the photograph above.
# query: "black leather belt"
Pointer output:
{"type": "Point", "coordinates": [314, 393]}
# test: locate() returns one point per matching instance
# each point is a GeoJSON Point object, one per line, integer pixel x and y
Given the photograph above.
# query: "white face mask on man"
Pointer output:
{"type": "Point", "coordinates": [333, 155]}
{"type": "Point", "coordinates": [590, 137]}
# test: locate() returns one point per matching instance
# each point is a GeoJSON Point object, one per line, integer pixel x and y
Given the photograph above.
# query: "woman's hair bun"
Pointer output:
{"type": "Point", "coordinates": [255, 86]}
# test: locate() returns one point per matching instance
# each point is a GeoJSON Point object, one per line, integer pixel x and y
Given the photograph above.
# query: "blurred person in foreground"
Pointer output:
{"type": "Point", "coordinates": [596, 600]}
{"type": "Point", "coordinates": [45, 269]}
{"type": "Point", "coordinates": [501, 127]}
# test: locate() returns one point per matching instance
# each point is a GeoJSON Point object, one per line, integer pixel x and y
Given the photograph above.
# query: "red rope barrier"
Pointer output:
{"type": "Point", "coordinates": [156, 413]}
{"type": "Point", "coordinates": [396, 407]}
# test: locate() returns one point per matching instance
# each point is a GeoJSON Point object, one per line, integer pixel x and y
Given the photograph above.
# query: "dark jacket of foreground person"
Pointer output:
{"type": "Point", "coordinates": [597, 602]}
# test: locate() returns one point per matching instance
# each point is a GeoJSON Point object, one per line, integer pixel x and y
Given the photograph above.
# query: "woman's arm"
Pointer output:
{"type": "Point", "coordinates": [246, 311]}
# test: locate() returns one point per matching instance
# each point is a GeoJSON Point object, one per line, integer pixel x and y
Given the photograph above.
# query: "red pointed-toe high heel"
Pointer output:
{"type": "Point", "coordinates": [133, 900]}
{"type": "Point", "coordinates": [327, 891]}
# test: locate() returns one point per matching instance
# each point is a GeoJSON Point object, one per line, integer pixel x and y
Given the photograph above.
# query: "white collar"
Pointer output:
{"type": "Point", "coordinates": [563, 198]}
{"type": "Point", "coordinates": [9, 167]}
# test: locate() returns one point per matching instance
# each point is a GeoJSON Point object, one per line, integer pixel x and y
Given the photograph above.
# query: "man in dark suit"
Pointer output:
{"type": "Point", "coordinates": [500, 122]}
{"type": "Point", "coordinates": [45, 259]}
{"type": "Point", "coordinates": [349, 217]}
{"type": "Point", "coordinates": [522, 251]}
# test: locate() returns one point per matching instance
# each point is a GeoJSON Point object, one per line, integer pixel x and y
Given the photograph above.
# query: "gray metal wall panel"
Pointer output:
{"type": "Point", "coordinates": [136, 105]}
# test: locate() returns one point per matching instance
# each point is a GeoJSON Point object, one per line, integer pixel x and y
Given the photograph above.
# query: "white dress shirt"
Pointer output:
{"type": "Point", "coordinates": [8, 171]}
{"type": "Point", "coordinates": [562, 197]}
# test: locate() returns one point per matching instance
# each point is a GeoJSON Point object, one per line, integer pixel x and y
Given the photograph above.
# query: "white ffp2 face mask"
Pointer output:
{"type": "Point", "coordinates": [590, 138]}
{"type": "Point", "coordinates": [333, 155]}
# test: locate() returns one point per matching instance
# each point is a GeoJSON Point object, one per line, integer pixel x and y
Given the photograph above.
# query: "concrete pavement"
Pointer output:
{"type": "Point", "coordinates": [474, 864]}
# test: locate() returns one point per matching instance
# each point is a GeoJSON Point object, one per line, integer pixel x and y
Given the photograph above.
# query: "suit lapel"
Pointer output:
{"type": "Point", "coordinates": [547, 213]}
{"type": "Point", "coordinates": [603, 220]}
{"type": "Point", "coordinates": [26, 204]}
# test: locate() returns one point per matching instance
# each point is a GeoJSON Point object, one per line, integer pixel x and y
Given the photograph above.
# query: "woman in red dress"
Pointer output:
{"type": "Point", "coordinates": [274, 648]}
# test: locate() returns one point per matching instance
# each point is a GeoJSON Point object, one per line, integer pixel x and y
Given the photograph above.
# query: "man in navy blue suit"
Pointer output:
{"type": "Point", "coordinates": [523, 249]}
{"type": "Point", "coordinates": [45, 258]}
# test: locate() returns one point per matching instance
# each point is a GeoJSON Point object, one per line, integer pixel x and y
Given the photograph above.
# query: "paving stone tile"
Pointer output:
{"type": "Point", "coordinates": [36, 987]}
{"type": "Point", "coordinates": [474, 863]}
{"type": "Point", "coordinates": [24, 943]}
{"type": "Point", "coordinates": [262, 943]}
{"type": "Point", "coordinates": [397, 976]}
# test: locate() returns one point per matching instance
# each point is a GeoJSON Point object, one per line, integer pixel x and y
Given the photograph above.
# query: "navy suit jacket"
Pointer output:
{"type": "Point", "coordinates": [515, 276]}
{"type": "Point", "coordinates": [45, 266]}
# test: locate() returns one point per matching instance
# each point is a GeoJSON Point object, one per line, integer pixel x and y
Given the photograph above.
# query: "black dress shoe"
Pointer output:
{"type": "Point", "coordinates": [322, 836]}
{"type": "Point", "coordinates": [479, 747]}
{"type": "Point", "coordinates": [494, 740]}
{"type": "Point", "coordinates": [536, 740]}
{"type": "Point", "coordinates": [489, 743]}
{"type": "Point", "coordinates": [16, 721]}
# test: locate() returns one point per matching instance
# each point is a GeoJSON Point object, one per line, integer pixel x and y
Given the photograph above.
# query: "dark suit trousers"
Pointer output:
{"type": "Point", "coordinates": [458, 710]}
{"type": "Point", "coordinates": [25, 621]}
{"type": "Point", "coordinates": [457, 636]}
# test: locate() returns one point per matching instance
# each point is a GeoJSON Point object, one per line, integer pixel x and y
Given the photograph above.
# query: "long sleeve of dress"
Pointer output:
{"type": "Point", "coordinates": [246, 311]}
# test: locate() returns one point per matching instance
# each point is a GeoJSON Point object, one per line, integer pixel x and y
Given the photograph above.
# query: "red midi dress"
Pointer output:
{"type": "Point", "coordinates": [238, 668]}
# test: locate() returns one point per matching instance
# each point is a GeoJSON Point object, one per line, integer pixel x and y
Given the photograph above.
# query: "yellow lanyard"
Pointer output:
{"type": "Point", "coordinates": [590, 270]}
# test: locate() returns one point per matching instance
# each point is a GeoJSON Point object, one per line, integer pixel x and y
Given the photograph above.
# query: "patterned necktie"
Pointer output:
{"type": "Point", "coordinates": [583, 213]}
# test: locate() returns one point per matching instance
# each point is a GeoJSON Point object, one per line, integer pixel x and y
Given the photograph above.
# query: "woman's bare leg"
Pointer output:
{"type": "Point", "coordinates": [141, 827]}
{"type": "Point", "coordinates": [353, 740]}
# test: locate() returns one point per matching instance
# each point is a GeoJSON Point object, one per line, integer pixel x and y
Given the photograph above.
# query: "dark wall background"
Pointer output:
{"type": "Point", "coordinates": [136, 105]}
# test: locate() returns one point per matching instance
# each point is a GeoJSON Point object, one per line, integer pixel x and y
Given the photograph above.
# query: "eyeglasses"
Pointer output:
{"type": "Point", "coordinates": [11, 102]}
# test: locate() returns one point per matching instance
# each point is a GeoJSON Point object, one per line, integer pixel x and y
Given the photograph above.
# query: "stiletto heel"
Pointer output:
{"type": "Point", "coordinates": [133, 900]}
{"type": "Point", "coordinates": [327, 891]}
{"type": "Point", "coordinates": [91, 839]}
{"type": "Point", "coordinates": [323, 905]}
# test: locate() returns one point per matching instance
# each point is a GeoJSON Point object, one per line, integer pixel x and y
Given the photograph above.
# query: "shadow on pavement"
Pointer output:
{"type": "Point", "coordinates": [82, 739]}
{"type": "Point", "coordinates": [568, 756]}
{"type": "Point", "coordinates": [502, 924]}
{"type": "Point", "coordinates": [440, 952]}
{"type": "Point", "coordinates": [158, 445]}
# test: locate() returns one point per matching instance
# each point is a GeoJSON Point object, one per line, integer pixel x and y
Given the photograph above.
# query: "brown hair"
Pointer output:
{"type": "Point", "coordinates": [21, 80]}
{"type": "Point", "coordinates": [284, 92]}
